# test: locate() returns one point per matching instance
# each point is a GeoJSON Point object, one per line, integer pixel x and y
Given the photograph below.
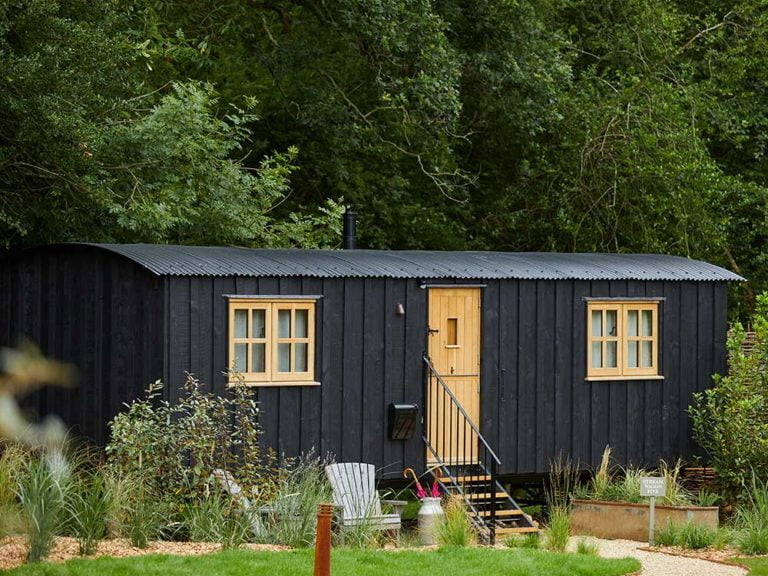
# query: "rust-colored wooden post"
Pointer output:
{"type": "Point", "coordinates": [323, 540]}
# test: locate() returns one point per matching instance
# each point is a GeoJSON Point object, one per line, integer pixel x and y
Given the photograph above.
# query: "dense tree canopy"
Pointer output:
{"type": "Point", "coordinates": [623, 125]}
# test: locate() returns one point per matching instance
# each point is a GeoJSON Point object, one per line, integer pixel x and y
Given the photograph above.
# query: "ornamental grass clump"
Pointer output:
{"type": "Point", "coordinates": [88, 503]}
{"type": "Point", "coordinates": [455, 529]}
{"type": "Point", "coordinates": [752, 520]}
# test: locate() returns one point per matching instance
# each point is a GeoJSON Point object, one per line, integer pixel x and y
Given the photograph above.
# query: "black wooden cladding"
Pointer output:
{"type": "Point", "coordinates": [124, 327]}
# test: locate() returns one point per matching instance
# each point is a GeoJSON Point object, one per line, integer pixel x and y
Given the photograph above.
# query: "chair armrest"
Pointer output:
{"type": "Point", "coordinates": [397, 505]}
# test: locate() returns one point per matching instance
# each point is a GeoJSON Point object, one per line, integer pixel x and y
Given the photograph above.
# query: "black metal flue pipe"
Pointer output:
{"type": "Point", "coordinates": [350, 229]}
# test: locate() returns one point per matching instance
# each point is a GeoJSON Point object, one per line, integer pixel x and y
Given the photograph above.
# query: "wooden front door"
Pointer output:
{"type": "Point", "coordinates": [454, 349]}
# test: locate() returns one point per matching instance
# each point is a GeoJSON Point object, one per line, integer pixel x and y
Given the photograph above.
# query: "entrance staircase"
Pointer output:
{"type": "Point", "coordinates": [494, 512]}
{"type": "Point", "coordinates": [471, 473]}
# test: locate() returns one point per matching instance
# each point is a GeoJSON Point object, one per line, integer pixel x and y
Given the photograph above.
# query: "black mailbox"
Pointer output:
{"type": "Point", "coordinates": [402, 421]}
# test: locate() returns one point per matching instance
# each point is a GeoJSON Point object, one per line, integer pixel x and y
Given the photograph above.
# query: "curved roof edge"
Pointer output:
{"type": "Point", "coordinates": [175, 260]}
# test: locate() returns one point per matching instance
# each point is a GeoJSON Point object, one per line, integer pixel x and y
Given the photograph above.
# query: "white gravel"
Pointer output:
{"type": "Point", "coordinates": [659, 564]}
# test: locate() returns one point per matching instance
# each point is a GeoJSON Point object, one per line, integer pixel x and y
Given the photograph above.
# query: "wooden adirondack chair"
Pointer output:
{"type": "Point", "coordinates": [228, 483]}
{"type": "Point", "coordinates": [354, 492]}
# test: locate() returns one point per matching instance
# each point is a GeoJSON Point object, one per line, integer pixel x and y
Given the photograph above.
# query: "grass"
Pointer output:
{"type": "Point", "coordinates": [346, 562]}
{"type": "Point", "coordinates": [752, 521]}
{"type": "Point", "coordinates": [757, 566]}
{"type": "Point", "coordinates": [456, 528]}
{"type": "Point", "coordinates": [558, 529]}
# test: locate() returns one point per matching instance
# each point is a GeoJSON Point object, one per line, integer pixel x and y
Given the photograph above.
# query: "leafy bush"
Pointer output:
{"type": "Point", "coordinates": [729, 418]}
{"type": "Point", "coordinates": [456, 527]}
{"type": "Point", "coordinates": [176, 447]}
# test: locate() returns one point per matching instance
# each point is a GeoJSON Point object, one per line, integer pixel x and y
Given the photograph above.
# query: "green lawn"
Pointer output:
{"type": "Point", "coordinates": [757, 566]}
{"type": "Point", "coordinates": [464, 561]}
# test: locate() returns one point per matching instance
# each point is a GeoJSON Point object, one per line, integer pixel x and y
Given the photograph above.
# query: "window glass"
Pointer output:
{"type": "Point", "coordinates": [301, 319]}
{"type": "Point", "coordinates": [258, 358]}
{"type": "Point", "coordinates": [611, 322]}
{"type": "Point", "coordinates": [301, 352]}
{"type": "Point", "coordinates": [597, 324]}
{"type": "Point", "coordinates": [632, 354]}
{"type": "Point", "coordinates": [647, 323]}
{"type": "Point", "coordinates": [647, 354]}
{"type": "Point", "coordinates": [241, 357]}
{"type": "Point", "coordinates": [611, 359]}
{"type": "Point", "coordinates": [283, 357]}
{"type": "Point", "coordinates": [241, 323]}
{"type": "Point", "coordinates": [597, 355]}
{"type": "Point", "coordinates": [632, 328]}
{"type": "Point", "coordinates": [259, 323]}
{"type": "Point", "coordinates": [283, 323]}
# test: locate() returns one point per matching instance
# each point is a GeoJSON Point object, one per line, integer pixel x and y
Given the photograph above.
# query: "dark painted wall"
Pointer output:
{"type": "Point", "coordinates": [536, 402]}
{"type": "Point", "coordinates": [96, 311]}
{"type": "Point", "coordinates": [366, 358]}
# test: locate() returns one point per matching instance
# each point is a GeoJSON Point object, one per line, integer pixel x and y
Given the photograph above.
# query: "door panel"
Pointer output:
{"type": "Point", "coordinates": [454, 349]}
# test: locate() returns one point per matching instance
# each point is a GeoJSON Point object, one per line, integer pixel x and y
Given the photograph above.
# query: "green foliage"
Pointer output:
{"type": "Point", "coordinates": [348, 562]}
{"type": "Point", "coordinates": [529, 541]}
{"type": "Point", "coordinates": [728, 418]}
{"type": "Point", "coordinates": [456, 527]}
{"type": "Point", "coordinates": [87, 503]}
{"type": "Point", "coordinates": [616, 484]}
{"type": "Point", "coordinates": [292, 511]}
{"type": "Point", "coordinates": [176, 447]}
{"type": "Point", "coordinates": [216, 518]}
{"type": "Point", "coordinates": [42, 490]}
{"type": "Point", "coordinates": [752, 520]}
{"type": "Point", "coordinates": [587, 547]}
{"type": "Point", "coordinates": [12, 462]}
{"type": "Point", "coordinates": [558, 529]}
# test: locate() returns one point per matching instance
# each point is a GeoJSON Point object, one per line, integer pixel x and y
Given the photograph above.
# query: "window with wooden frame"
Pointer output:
{"type": "Point", "coordinates": [622, 340]}
{"type": "Point", "coordinates": [272, 341]}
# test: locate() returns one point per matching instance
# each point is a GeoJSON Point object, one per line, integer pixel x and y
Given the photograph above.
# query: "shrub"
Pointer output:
{"type": "Point", "coordinates": [177, 447]}
{"type": "Point", "coordinates": [728, 419]}
{"type": "Point", "coordinates": [456, 528]}
{"type": "Point", "coordinates": [695, 536]}
{"type": "Point", "coordinates": [667, 535]}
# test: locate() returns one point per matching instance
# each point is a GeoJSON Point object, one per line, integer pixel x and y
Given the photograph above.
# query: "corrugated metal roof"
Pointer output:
{"type": "Point", "coordinates": [171, 260]}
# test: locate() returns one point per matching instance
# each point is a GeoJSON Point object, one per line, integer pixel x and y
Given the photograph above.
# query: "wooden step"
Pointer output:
{"type": "Point", "coordinates": [465, 479]}
{"type": "Point", "coordinates": [485, 496]}
{"type": "Point", "coordinates": [501, 513]}
{"type": "Point", "coordinates": [516, 530]}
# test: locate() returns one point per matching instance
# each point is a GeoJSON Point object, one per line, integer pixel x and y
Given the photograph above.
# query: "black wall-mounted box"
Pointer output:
{"type": "Point", "coordinates": [402, 421]}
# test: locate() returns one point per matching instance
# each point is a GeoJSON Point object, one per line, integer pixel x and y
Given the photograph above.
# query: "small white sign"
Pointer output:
{"type": "Point", "coordinates": [653, 486]}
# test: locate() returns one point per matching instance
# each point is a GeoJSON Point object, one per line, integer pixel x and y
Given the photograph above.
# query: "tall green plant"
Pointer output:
{"type": "Point", "coordinates": [456, 528]}
{"type": "Point", "coordinates": [88, 504]}
{"type": "Point", "coordinates": [42, 491]}
{"type": "Point", "coordinates": [729, 418]}
{"type": "Point", "coordinates": [176, 447]}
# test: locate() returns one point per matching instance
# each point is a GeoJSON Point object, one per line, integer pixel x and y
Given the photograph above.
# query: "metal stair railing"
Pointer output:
{"type": "Point", "coordinates": [454, 439]}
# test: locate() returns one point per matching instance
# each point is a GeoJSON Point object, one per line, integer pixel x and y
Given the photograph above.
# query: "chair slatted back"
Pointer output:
{"type": "Point", "coordinates": [354, 489]}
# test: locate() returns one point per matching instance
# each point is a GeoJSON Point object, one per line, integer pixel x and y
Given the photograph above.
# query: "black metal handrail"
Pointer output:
{"type": "Point", "coordinates": [453, 443]}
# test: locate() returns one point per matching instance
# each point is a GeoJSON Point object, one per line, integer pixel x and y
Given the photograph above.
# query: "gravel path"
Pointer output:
{"type": "Point", "coordinates": [658, 564]}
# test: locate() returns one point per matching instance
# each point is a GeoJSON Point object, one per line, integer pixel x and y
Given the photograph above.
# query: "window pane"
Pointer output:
{"type": "Point", "coordinates": [241, 323]}
{"type": "Point", "coordinates": [241, 357]}
{"type": "Point", "coordinates": [647, 354]}
{"type": "Point", "coordinates": [610, 354]}
{"type": "Point", "coordinates": [283, 323]}
{"type": "Point", "coordinates": [611, 322]}
{"type": "Point", "coordinates": [258, 358]}
{"type": "Point", "coordinates": [632, 354]}
{"type": "Point", "coordinates": [647, 323]}
{"type": "Point", "coordinates": [302, 354]}
{"type": "Point", "coordinates": [632, 328]}
{"type": "Point", "coordinates": [259, 324]}
{"type": "Point", "coordinates": [301, 321]}
{"type": "Point", "coordinates": [597, 323]}
{"type": "Point", "coordinates": [283, 357]}
{"type": "Point", "coordinates": [453, 332]}
{"type": "Point", "coordinates": [597, 355]}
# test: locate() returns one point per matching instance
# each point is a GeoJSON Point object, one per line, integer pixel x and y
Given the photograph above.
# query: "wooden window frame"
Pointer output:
{"type": "Point", "coordinates": [271, 340]}
{"type": "Point", "coordinates": [623, 371]}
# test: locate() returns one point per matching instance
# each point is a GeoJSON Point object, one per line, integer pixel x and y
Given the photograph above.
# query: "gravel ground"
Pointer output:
{"type": "Point", "coordinates": [660, 564]}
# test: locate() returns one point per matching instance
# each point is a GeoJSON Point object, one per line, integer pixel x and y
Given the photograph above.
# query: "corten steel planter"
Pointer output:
{"type": "Point", "coordinates": [621, 520]}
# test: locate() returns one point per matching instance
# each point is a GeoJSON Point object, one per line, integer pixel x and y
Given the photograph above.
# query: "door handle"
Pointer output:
{"type": "Point", "coordinates": [432, 330]}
